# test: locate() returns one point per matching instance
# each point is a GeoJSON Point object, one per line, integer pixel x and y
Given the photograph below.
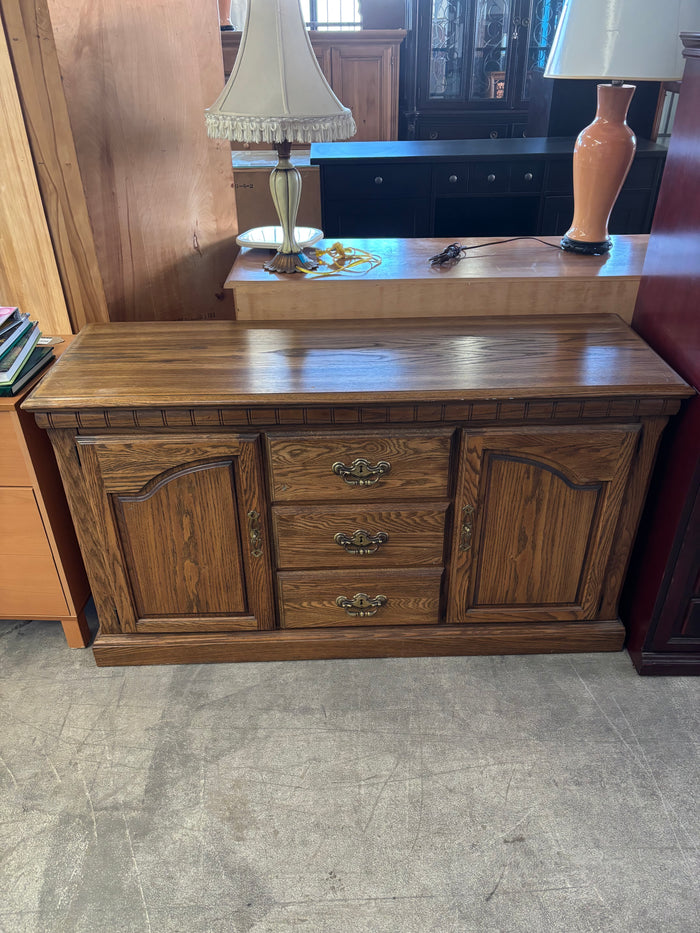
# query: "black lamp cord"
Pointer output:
{"type": "Point", "coordinates": [454, 251]}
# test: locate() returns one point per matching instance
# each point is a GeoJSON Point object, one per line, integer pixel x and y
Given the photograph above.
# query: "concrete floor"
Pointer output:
{"type": "Point", "coordinates": [549, 793]}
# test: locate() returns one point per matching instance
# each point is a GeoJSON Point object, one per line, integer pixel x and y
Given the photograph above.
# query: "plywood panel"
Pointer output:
{"type": "Point", "coordinates": [38, 76]}
{"type": "Point", "coordinates": [28, 274]}
{"type": "Point", "coordinates": [137, 79]}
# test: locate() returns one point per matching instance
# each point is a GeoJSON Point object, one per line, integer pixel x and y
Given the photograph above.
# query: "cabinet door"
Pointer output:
{"type": "Point", "coordinates": [184, 530]}
{"type": "Point", "coordinates": [363, 79]}
{"type": "Point", "coordinates": [536, 512]}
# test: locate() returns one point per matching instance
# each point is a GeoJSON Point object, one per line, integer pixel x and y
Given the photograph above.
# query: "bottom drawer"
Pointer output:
{"type": "Point", "coordinates": [342, 598]}
{"type": "Point", "coordinates": [29, 582]}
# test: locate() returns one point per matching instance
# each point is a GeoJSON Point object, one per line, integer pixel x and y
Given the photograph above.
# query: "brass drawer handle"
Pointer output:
{"type": "Point", "coordinates": [254, 534]}
{"type": "Point", "coordinates": [361, 542]}
{"type": "Point", "coordinates": [361, 472]}
{"type": "Point", "coordinates": [467, 528]}
{"type": "Point", "coordinates": [361, 605]}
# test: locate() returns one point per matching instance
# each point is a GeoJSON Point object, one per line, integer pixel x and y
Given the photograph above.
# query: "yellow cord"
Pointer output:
{"type": "Point", "coordinates": [339, 259]}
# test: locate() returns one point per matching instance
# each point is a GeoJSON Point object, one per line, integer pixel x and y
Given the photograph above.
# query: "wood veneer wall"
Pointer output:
{"type": "Point", "coordinates": [28, 271]}
{"type": "Point", "coordinates": [40, 91]}
{"type": "Point", "coordinates": [137, 78]}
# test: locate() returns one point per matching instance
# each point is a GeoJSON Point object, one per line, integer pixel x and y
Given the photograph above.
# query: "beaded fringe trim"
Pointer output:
{"type": "Point", "coordinates": [249, 129]}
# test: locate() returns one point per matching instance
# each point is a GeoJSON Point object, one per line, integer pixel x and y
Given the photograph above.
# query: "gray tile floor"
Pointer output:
{"type": "Point", "coordinates": [548, 793]}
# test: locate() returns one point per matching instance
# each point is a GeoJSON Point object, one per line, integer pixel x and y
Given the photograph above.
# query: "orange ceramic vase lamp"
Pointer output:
{"type": "Point", "coordinates": [615, 39]}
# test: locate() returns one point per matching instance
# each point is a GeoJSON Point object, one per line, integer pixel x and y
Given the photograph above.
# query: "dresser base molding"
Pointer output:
{"type": "Point", "coordinates": [663, 662]}
{"type": "Point", "coordinates": [415, 641]}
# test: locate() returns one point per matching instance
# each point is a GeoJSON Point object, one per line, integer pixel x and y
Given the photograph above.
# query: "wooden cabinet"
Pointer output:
{"type": "Point", "coordinates": [362, 67]}
{"type": "Point", "coordinates": [512, 187]}
{"type": "Point", "coordinates": [41, 570]}
{"type": "Point", "coordinates": [662, 599]}
{"type": "Point", "coordinates": [252, 491]}
{"type": "Point", "coordinates": [182, 521]}
{"type": "Point", "coordinates": [468, 68]}
{"type": "Point", "coordinates": [537, 510]}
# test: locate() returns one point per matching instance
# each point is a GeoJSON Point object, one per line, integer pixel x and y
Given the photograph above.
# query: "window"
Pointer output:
{"type": "Point", "coordinates": [331, 14]}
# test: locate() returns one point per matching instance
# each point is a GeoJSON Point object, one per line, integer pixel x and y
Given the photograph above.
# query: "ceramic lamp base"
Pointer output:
{"type": "Point", "coordinates": [585, 247]}
{"type": "Point", "coordinates": [602, 156]}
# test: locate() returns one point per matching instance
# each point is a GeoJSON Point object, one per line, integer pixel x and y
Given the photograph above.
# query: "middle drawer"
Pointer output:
{"type": "Point", "coordinates": [346, 536]}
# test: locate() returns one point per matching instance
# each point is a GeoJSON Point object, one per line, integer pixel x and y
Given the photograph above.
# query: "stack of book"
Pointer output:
{"type": "Point", "coordinates": [22, 352]}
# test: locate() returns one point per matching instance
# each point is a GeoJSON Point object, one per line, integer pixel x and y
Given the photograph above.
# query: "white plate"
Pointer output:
{"type": "Point", "coordinates": [271, 237]}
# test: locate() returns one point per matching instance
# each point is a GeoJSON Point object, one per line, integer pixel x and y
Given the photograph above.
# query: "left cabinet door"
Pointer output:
{"type": "Point", "coordinates": [184, 527]}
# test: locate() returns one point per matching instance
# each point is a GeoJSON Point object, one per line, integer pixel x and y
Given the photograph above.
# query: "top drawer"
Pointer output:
{"type": "Point", "coordinates": [359, 467]}
{"type": "Point", "coordinates": [13, 466]}
{"type": "Point", "coordinates": [379, 180]}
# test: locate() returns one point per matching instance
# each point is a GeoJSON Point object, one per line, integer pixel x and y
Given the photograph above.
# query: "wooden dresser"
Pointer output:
{"type": "Point", "coordinates": [324, 490]}
{"type": "Point", "coordinates": [41, 570]}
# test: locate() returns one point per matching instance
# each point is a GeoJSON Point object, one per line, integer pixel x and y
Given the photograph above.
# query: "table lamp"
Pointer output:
{"type": "Point", "coordinates": [619, 40]}
{"type": "Point", "coordinates": [278, 94]}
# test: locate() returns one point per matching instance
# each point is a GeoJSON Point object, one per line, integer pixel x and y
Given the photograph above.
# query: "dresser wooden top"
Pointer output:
{"type": "Point", "coordinates": [222, 363]}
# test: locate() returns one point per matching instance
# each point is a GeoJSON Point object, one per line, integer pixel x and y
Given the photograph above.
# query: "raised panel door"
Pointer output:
{"type": "Point", "coordinates": [184, 522]}
{"type": "Point", "coordinates": [536, 513]}
{"type": "Point", "coordinates": [363, 80]}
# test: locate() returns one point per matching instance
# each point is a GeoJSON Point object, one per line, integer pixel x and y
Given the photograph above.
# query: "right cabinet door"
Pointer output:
{"type": "Point", "coordinates": [535, 517]}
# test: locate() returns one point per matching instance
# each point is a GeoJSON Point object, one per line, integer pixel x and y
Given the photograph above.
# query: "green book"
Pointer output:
{"type": "Point", "coordinates": [37, 360]}
{"type": "Point", "coordinates": [14, 359]}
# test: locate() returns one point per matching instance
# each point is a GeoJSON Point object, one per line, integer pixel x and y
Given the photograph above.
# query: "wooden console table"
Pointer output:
{"type": "Point", "coordinates": [266, 492]}
{"type": "Point", "coordinates": [518, 277]}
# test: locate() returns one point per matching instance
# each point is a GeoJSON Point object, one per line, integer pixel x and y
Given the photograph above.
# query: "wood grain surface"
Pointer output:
{"type": "Point", "coordinates": [305, 535]}
{"type": "Point", "coordinates": [203, 364]}
{"type": "Point", "coordinates": [137, 79]}
{"type": "Point", "coordinates": [301, 466]}
{"type": "Point", "coordinates": [521, 276]}
{"type": "Point", "coordinates": [308, 600]}
{"type": "Point", "coordinates": [33, 50]}
{"type": "Point", "coordinates": [28, 271]}
{"type": "Point", "coordinates": [391, 642]}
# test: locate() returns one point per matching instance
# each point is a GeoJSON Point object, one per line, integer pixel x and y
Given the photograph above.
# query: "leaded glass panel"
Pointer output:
{"type": "Point", "coordinates": [491, 38]}
{"type": "Point", "coordinates": [543, 23]}
{"type": "Point", "coordinates": [447, 29]}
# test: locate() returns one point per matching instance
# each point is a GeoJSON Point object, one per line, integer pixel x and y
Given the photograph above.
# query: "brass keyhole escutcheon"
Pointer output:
{"type": "Point", "coordinates": [467, 528]}
{"type": "Point", "coordinates": [254, 534]}
{"type": "Point", "coordinates": [361, 605]}
{"type": "Point", "coordinates": [361, 542]}
{"type": "Point", "coordinates": [361, 472]}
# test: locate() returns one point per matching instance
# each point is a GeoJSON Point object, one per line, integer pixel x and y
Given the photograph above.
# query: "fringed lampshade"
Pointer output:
{"type": "Point", "coordinates": [278, 94]}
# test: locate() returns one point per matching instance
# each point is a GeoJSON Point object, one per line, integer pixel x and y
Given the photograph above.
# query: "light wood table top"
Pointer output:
{"type": "Point", "coordinates": [522, 276]}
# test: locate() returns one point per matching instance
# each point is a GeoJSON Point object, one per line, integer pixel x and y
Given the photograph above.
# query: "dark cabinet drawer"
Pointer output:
{"type": "Point", "coordinates": [451, 178]}
{"type": "Point", "coordinates": [463, 131]}
{"type": "Point", "coordinates": [526, 176]}
{"type": "Point", "coordinates": [376, 181]}
{"type": "Point", "coordinates": [385, 217]}
{"type": "Point", "coordinates": [488, 177]}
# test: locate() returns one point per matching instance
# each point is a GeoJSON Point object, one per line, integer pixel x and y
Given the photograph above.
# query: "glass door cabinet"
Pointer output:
{"type": "Point", "coordinates": [469, 65]}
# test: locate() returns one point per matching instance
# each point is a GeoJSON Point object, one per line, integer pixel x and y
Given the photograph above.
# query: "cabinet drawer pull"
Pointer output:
{"type": "Point", "coordinates": [254, 534]}
{"type": "Point", "coordinates": [361, 604]}
{"type": "Point", "coordinates": [453, 179]}
{"type": "Point", "coordinates": [378, 180]}
{"type": "Point", "coordinates": [361, 542]}
{"type": "Point", "coordinates": [528, 176]}
{"type": "Point", "coordinates": [467, 528]}
{"type": "Point", "coordinates": [493, 134]}
{"type": "Point", "coordinates": [490, 178]}
{"type": "Point", "coordinates": [361, 472]}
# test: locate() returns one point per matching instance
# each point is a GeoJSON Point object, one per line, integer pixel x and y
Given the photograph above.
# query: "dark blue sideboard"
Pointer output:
{"type": "Point", "coordinates": [469, 187]}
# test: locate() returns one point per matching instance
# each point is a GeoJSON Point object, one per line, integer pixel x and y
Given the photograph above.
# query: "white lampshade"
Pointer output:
{"type": "Point", "coordinates": [622, 40]}
{"type": "Point", "coordinates": [277, 90]}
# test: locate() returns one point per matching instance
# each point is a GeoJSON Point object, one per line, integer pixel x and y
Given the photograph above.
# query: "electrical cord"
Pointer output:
{"type": "Point", "coordinates": [454, 251]}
